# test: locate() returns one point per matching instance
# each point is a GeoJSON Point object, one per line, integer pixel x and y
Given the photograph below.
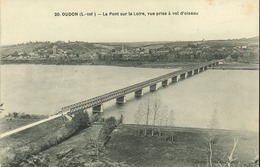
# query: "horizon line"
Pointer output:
{"type": "Point", "coordinates": [164, 41]}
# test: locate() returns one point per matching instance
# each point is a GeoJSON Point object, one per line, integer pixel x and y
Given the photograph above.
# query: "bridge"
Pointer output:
{"type": "Point", "coordinates": [96, 103]}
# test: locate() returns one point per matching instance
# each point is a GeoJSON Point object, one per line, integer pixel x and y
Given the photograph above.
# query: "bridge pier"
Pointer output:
{"type": "Point", "coordinates": [120, 100]}
{"type": "Point", "coordinates": [184, 75]}
{"type": "Point", "coordinates": [153, 87]}
{"type": "Point", "coordinates": [201, 69]}
{"type": "Point", "coordinates": [175, 79]}
{"type": "Point", "coordinates": [196, 71]}
{"type": "Point", "coordinates": [190, 73]}
{"type": "Point", "coordinates": [98, 108]}
{"type": "Point", "coordinates": [139, 93]}
{"type": "Point", "coordinates": [165, 83]}
{"type": "Point", "coordinates": [97, 103]}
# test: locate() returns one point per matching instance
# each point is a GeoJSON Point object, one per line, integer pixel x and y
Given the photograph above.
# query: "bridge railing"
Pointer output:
{"type": "Point", "coordinates": [129, 89]}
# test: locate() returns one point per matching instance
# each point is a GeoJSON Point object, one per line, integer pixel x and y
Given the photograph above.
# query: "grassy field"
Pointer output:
{"type": "Point", "coordinates": [188, 148]}
{"type": "Point", "coordinates": [36, 133]}
{"type": "Point", "coordinates": [84, 148]}
{"type": "Point", "coordinates": [7, 123]}
{"type": "Point", "coordinates": [18, 146]}
{"type": "Point", "coordinates": [125, 147]}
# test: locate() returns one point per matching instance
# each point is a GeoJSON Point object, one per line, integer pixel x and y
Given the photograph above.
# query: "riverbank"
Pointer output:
{"type": "Point", "coordinates": [77, 144]}
{"type": "Point", "coordinates": [19, 146]}
{"type": "Point", "coordinates": [145, 64]}
{"type": "Point", "coordinates": [180, 65]}
{"type": "Point", "coordinates": [187, 148]}
{"type": "Point", "coordinates": [64, 144]}
{"type": "Point", "coordinates": [126, 145]}
{"type": "Point", "coordinates": [83, 149]}
{"type": "Point", "coordinates": [236, 66]}
{"type": "Point", "coordinates": [10, 123]}
{"type": "Point", "coordinates": [140, 64]}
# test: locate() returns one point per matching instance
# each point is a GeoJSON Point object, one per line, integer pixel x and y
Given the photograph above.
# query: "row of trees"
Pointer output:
{"type": "Point", "coordinates": [152, 112]}
{"type": "Point", "coordinates": [26, 116]}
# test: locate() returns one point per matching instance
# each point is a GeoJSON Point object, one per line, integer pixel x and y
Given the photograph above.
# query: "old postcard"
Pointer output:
{"type": "Point", "coordinates": [130, 83]}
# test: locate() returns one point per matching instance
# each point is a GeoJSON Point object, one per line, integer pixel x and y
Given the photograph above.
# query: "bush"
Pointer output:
{"type": "Point", "coordinates": [108, 126]}
{"type": "Point", "coordinates": [78, 122]}
{"type": "Point", "coordinates": [110, 123]}
{"type": "Point", "coordinates": [95, 118]}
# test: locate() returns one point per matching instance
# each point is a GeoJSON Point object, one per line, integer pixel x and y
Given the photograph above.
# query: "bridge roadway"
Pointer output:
{"type": "Point", "coordinates": [96, 101]}
{"type": "Point", "coordinates": [99, 100]}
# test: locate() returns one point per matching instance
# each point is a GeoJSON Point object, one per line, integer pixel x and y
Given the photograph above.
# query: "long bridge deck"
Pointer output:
{"type": "Point", "coordinates": [120, 93]}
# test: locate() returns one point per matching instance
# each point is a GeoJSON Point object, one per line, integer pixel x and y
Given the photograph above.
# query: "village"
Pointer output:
{"type": "Point", "coordinates": [66, 52]}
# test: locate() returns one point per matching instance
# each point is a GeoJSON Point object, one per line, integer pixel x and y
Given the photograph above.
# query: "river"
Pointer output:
{"type": "Point", "coordinates": [44, 89]}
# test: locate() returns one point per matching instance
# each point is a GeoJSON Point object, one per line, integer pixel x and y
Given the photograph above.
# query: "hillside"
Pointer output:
{"type": "Point", "coordinates": [245, 50]}
{"type": "Point", "coordinates": [79, 47]}
{"type": "Point", "coordinates": [88, 47]}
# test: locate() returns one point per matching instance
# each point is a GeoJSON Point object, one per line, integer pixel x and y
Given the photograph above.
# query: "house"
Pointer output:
{"type": "Point", "coordinates": [177, 48]}
{"type": "Point", "coordinates": [147, 50]}
{"type": "Point", "coordinates": [244, 47]}
{"type": "Point", "coordinates": [137, 49]}
{"type": "Point", "coordinates": [53, 55]}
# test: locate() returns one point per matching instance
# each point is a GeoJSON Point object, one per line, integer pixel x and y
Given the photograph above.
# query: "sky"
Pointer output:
{"type": "Point", "coordinates": [34, 20]}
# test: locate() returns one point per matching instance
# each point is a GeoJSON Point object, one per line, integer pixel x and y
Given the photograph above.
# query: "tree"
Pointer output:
{"type": "Point", "coordinates": [172, 122]}
{"type": "Point", "coordinates": [1, 108]}
{"type": "Point", "coordinates": [156, 109]}
{"type": "Point", "coordinates": [163, 117]}
{"type": "Point", "coordinates": [150, 109]}
{"type": "Point", "coordinates": [147, 109]}
{"type": "Point", "coordinates": [80, 120]}
{"type": "Point", "coordinates": [214, 120]}
{"type": "Point", "coordinates": [230, 158]}
{"type": "Point", "coordinates": [110, 124]}
{"type": "Point", "coordinates": [139, 116]}
{"type": "Point", "coordinates": [166, 114]}
{"type": "Point", "coordinates": [144, 113]}
{"type": "Point", "coordinates": [210, 150]}
{"type": "Point", "coordinates": [15, 114]}
{"type": "Point", "coordinates": [171, 117]}
{"type": "Point", "coordinates": [120, 116]}
{"type": "Point", "coordinates": [214, 125]}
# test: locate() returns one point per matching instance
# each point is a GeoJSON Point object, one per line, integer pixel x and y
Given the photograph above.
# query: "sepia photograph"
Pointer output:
{"type": "Point", "coordinates": [129, 83]}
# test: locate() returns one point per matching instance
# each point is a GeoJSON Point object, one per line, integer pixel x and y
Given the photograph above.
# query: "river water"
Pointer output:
{"type": "Point", "coordinates": [44, 89]}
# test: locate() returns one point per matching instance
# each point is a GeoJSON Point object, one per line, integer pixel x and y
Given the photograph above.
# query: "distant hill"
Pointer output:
{"type": "Point", "coordinates": [253, 40]}
{"type": "Point", "coordinates": [79, 47]}
{"type": "Point", "coordinates": [212, 43]}
{"type": "Point", "coordinates": [85, 47]}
